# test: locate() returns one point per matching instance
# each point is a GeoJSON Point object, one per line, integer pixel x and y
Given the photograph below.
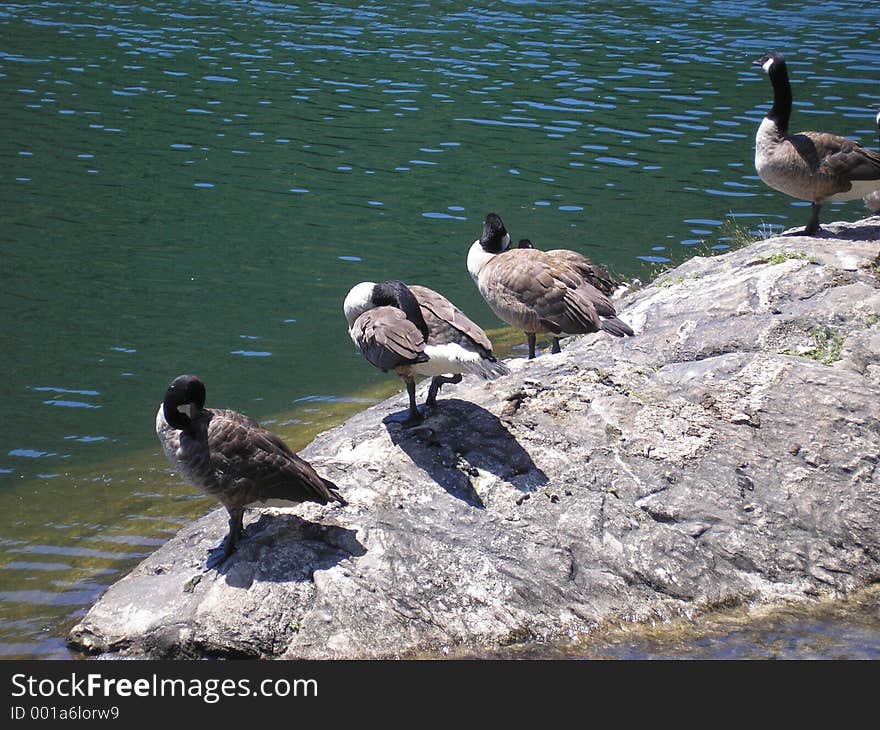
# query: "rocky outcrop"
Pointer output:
{"type": "Point", "coordinates": [726, 454]}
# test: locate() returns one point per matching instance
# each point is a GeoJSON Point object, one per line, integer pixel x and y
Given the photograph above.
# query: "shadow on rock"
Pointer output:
{"type": "Point", "coordinates": [861, 233]}
{"type": "Point", "coordinates": [283, 547]}
{"type": "Point", "coordinates": [864, 233]}
{"type": "Point", "coordinates": [457, 440]}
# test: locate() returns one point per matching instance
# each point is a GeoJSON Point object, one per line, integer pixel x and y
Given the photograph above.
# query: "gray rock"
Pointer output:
{"type": "Point", "coordinates": [726, 454]}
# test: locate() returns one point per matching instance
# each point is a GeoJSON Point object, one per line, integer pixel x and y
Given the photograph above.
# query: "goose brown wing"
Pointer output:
{"type": "Point", "coordinates": [556, 295]}
{"type": "Point", "coordinates": [387, 339]}
{"type": "Point", "coordinates": [446, 322]}
{"type": "Point", "coordinates": [853, 162]}
{"type": "Point", "coordinates": [837, 157]}
{"type": "Point", "coordinates": [599, 304]}
{"type": "Point", "coordinates": [258, 465]}
{"type": "Point", "coordinates": [593, 274]}
{"type": "Point", "coordinates": [580, 310]}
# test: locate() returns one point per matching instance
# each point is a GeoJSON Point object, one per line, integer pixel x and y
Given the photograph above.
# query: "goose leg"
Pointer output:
{"type": "Point", "coordinates": [555, 348]}
{"type": "Point", "coordinates": [414, 417]}
{"type": "Point", "coordinates": [227, 547]}
{"type": "Point", "coordinates": [813, 226]}
{"type": "Point", "coordinates": [530, 337]}
{"type": "Point", "coordinates": [437, 382]}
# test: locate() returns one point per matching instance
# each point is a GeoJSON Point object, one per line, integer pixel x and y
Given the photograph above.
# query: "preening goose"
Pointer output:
{"type": "Point", "coordinates": [536, 291]}
{"type": "Point", "coordinates": [414, 330]}
{"type": "Point", "coordinates": [232, 458]}
{"type": "Point", "coordinates": [813, 166]}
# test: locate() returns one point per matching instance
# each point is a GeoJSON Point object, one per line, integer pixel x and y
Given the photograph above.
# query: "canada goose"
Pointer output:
{"type": "Point", "coordinates": [872, 200]}
{"type": "Point", "coordinates": [813, 166]}
{"type": "Point", "coordinates": [414, 330]}
{"type": "Point", "coordinates": [231, 457]}
{"type": "Point", "coordinates": [535, 291]}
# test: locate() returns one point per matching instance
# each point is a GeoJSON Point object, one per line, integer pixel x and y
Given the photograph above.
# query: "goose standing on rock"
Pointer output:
{"type": "Point", "coordinates": [414, 330]}
{"type": "Point", "coordinates": [813, 166]}
{"type": "Point", "coordinates": [232, 458]}
{"type": "Point", "coordinates": [537, 291]}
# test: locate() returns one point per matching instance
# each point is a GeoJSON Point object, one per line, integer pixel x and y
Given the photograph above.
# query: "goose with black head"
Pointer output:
{"type": "Point", "coordinates": [414, 330]}
{"type": "Point", "coordinates": [818, 167]}
{"type": "Point", "coordinates": [537, 292]}
{"type": "Point", "coordinates": [232, 458]}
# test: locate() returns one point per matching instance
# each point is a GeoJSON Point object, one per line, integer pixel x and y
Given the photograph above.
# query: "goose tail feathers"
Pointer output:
{"type": "Point", "coordinates": [617, 327]}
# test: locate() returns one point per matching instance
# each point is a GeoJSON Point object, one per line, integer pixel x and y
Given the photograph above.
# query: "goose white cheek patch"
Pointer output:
{"type": "Point", "coordinates": [767, 65]}
{"type": "Point", "coordinates": [187, 409]}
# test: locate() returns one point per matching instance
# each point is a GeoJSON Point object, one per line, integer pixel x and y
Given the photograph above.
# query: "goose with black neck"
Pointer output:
{"type": "Point", "coordinates": [232, 458]}
{"type": "Point", "coordinates": [536, 291]}
{"type": "Point", "coordinates": [818, 167]}
{"type": "Point", "coordinates": [415, 330]}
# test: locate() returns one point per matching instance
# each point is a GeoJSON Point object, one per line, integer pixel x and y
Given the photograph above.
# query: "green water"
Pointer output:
{"type": "Point", "coordinates": [841, 629]}
{"type": "Point", "coordinates": [193, 187]}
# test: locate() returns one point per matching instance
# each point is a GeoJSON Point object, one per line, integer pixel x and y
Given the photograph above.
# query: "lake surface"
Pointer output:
{"type": "Point", "coordinates": [843, 629]}
{"type": "Point", "coordinates": [194, 186]}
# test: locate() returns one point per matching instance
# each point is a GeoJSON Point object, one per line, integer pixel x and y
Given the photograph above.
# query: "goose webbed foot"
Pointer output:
{"type": "Point", "coordinates": [218, 555]}
{"type": "Point", "coordinates": [437, 382]}
{"type": "Point", "coordinates": [412, 420]}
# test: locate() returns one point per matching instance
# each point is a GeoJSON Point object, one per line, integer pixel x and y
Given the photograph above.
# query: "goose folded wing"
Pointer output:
{"type": "Point", "coordinates": [836, 157]}
{"type": "Point", "coordinates": [556, 297]}
{"type": "Point", "coordinates": [562, 300]}
{"type": "Point", "coordinates": [261, 466]}
{"type": "Point", "coordinates": [580, 310]}
{"type": "Point", "coordinates": [446, 322]}
{"type": "Point", "coordinates": [288, 476]}
{"type": "Point", "coordinates": [600, 302]}
{"type": "Point", "coordinates": [852, 161]}
{"type": "Point", "coordinates": [387, 338]}
{"type": "Point", "coordinates": [524, 292]}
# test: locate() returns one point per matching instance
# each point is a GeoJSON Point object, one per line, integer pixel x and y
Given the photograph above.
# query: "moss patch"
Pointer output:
{"type": "Point", "coordinates": [828, 345]}
{"type": "Point", "coordinates": [783, 256]}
